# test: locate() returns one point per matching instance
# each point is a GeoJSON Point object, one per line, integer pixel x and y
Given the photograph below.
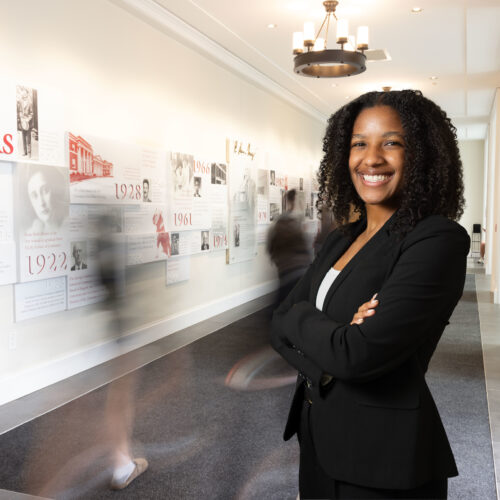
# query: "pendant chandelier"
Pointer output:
{"type": "Point", "coordinates": [314, 59]}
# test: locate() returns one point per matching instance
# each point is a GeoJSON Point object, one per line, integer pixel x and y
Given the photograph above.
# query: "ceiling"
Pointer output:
{"type": "Point", "coordinates": [457, 41]}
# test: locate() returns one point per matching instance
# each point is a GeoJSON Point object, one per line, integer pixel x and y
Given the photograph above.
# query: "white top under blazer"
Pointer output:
{"type": "Point", "coordinates": [327, 282]}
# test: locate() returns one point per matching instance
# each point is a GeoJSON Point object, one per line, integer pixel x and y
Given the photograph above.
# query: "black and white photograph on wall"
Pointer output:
{"type": "Point", "coordinates": [44, 197]}
{"type": "Point", "coordinates": [146, 190]}
{"type": "Point", "coordinates": [197, 187]}
{"type": "Point", "coordinates": [78, 255]}
{"type": "Point", "coordinates": [42, 216]}
{"type": "Point", "coordinates": [272, 178]}
{"type": "Point", "coordinates": [236, 235]}
{"type": "Point", "coordinates": [205, 241]}
{"type": "Point", "coordinates": [182, 171]}
{"type": "Point", "coordinates": [283, 200]}
{"type": "Point", "coordinates": [27, 122]}
{"type": "Point", "coordinates": [218, 173]}
{"type": "Point", "coordinates": [274, 212]}
{"type": "Point", "coordinates": [301, 184]}
{"type": "Point", "coordinates": [174, 242]}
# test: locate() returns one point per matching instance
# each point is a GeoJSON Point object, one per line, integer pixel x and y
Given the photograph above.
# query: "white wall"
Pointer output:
{"type": "Point", "coordinates": [492, 208]}
{"type": "Point", "coordinates": [472, 154]}
{"type": "Point", "coordinates": [122, 79]}
{"type": "Point", "coordinates": [493, 236]}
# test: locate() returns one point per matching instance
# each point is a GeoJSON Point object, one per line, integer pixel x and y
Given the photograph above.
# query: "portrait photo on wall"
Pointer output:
{"type": "Point", "coordinates": [218, 172]}
{"type": "Point", "coordinates": [27, 122]}
{"type": "Point", "coordinates": [272, 177]}
{"type": "Point", "coordinates": [182, 174]}
{"type": "Point", "coordinates": [301, 184]}
{"type": "Point", "coordinates": [197, 187]}
{"type": "Point", "coordinates": [43, 193]}
{"type": "Point", "coordinates": [174, 243]}
{"type": "Point", "coordinates": [146, 191]}
{"type": "Point", "coordinates": [78, 255]}
{"type": "Point", "coordinates": [236, 235]}
{"type": "Point", "coordinates": [205, 240]}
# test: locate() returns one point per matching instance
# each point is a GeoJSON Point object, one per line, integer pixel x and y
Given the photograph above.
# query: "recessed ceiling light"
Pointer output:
{"type": "Point", "coordinates": [272, 26]}
{"type": "Point", "coordinates": [416, 10]}
{"type": "Point", "coordinates": [433, 77]}
{"type": "Point", "coordinates": [347, 96]}
{"type": "Point", "coordinates": [335, 84]}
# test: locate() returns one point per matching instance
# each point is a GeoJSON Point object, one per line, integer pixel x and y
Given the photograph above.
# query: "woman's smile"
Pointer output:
{"type": "Point", "coordinates": [374, 180]}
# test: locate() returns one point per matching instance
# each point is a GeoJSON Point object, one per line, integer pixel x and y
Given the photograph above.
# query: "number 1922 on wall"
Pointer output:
{"type": "Point", "coordinates": [52, 262]}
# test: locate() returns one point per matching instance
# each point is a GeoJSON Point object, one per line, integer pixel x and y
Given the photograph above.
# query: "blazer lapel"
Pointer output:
{"type": "Point", "coordinates": [379, 238]}
{"type": "Point", "coordinates": [332, 255]}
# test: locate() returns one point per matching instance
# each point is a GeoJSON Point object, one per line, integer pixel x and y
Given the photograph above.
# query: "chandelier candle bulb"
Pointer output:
{"type": "Point", "coordinates": [362, 38]}
{"type": "Point", "coordinates": [298, 42]}
{"type": "Point", "coordinates": [309, 33]}
{"type": "Point", "coordinates": [342, 31]}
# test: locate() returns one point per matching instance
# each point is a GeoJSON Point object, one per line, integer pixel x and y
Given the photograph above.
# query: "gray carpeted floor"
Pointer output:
{"type": "Point", "coordinates": [210, 418]}
{"type": "Point", "coordinates": [456, 379]}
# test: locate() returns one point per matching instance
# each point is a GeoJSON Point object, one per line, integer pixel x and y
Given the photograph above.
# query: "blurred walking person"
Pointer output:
{"type": "Point", "coordinates": [120, 403]}
{"type": "Point", "coordinates": [288, 247]}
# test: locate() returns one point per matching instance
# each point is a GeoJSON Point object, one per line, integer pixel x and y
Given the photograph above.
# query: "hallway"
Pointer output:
{"type": "Point", "coordinates": [210, 415]}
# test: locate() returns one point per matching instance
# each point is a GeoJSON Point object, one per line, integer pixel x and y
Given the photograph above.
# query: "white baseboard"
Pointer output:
{"type": "Point", "coordinates": [27, 381]}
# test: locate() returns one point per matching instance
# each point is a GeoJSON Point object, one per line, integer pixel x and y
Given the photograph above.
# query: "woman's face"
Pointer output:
{"type": "Point", "coordinates": [377, 153]}
{"type": "Point", "coordinates": [40, 196]}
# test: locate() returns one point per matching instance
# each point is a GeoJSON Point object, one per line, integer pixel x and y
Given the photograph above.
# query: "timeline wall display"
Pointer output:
{"type": "Point", "coordinates": [143, 248]}
{"type": "Point", "coordinates": [278, 184]}
{"type": "Point", "coordinates": [8, 269]}
{"type": "Point", "coordinates": [263, 196]}
{"type": "Point", "coordinates": [39, 298]}
{"type": "Point", "coordinates": [189, 242]}
{"type": "Point", "coordinates": [104, 171]}
{"type": "Point", "coordinates": [84, 282]}
{"type": "Point", "coordinates": [71, 202]}
{"type": "Point", "coordinates": [154, 176]}
{"type": "Point", "coordinates": [218, 205]}
{"type": "Point", "coordinates": [31, 124]}
{"type": "Point", "coordinates": [189, 193]}
{"type": "Point", "coordinates": [243, 170]}
{"type": "Point", "coordinates": [42, 219]}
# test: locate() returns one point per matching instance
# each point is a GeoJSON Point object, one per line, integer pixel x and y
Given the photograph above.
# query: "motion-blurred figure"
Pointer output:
{"type": "Point", "coordinates": [120, 403]}
{"type": "Point", "coordinates": [327, 225]}
{"type": "Point", "coordinates": [288, 248]}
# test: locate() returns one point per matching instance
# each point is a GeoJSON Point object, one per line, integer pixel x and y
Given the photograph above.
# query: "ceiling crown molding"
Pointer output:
{"type": "Point", "coordinates": [162, 19]}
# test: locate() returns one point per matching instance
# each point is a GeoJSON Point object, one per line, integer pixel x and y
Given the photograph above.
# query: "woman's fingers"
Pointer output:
{"type": "Point", "coordinates": [365, 310]}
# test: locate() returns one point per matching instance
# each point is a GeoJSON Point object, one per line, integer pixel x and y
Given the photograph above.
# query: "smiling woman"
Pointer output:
{"type": "Point", "coordinates": [432, 179]}
{"type": "Point", "coordinates": [362, 324]}
{"type": "Point", "coordinates": [377, 155]}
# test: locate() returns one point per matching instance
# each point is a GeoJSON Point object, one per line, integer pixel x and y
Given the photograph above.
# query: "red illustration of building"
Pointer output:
{"type": "Point", "coordinates": [83, 164]}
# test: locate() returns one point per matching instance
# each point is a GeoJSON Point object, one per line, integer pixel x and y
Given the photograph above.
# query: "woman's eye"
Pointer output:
{"type": "Point", "coordinates": [393, 143]}
{"type": "Point", "coordinates": [357, 144]}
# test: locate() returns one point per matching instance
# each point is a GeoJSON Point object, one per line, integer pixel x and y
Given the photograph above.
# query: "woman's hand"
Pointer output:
{"type": "Point", "coordinates": [365, 311]}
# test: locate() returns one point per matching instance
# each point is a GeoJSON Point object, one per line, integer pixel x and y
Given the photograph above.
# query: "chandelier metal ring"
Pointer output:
{"type": "Point", "coordinates": [332, 63]}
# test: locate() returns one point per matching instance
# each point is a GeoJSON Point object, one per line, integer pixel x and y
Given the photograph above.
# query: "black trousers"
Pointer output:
{"type": "Point", "coordinates": [315, 483]}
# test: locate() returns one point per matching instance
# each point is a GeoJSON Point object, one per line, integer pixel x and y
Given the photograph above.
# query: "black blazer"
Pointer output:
{"type": "Point", "coordinates": [375, 424]}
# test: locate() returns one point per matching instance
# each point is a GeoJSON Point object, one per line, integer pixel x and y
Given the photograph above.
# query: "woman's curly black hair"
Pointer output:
{"type": "Point", "coordinates": [432, 178]}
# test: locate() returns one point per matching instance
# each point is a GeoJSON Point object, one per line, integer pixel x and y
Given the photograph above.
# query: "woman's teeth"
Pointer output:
{"type": "Point", "coordinates": [375, 178]}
